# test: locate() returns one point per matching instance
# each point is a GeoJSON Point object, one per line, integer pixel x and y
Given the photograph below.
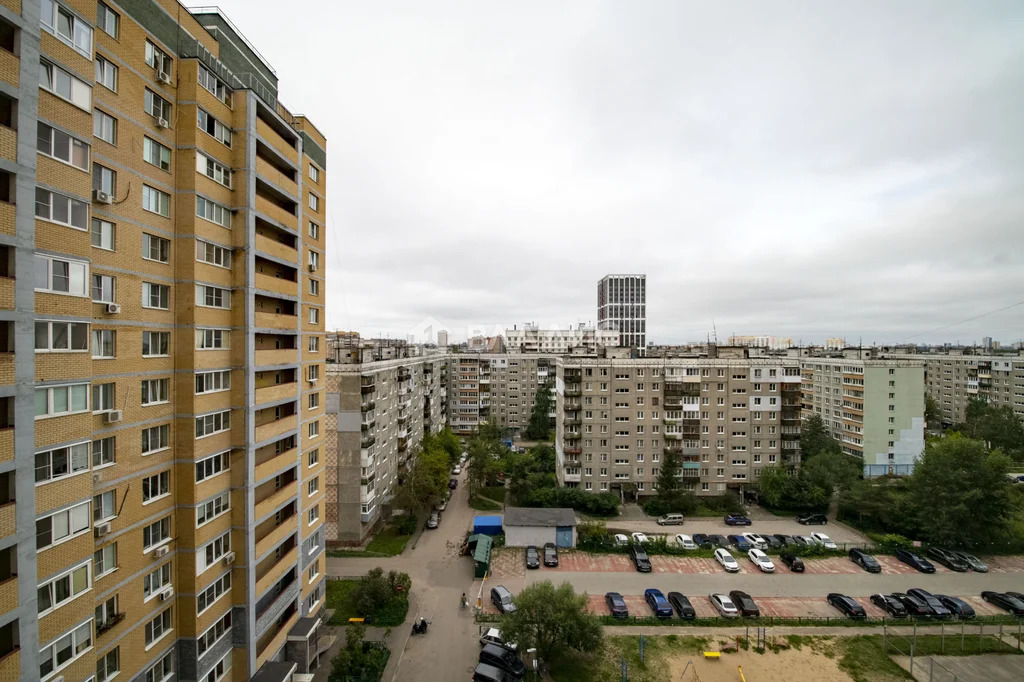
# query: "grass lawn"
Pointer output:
{"type": "Point", "coordinates": [496, 493]}
{"type": "Point", "coordinates": [339, 598]}
{"type": "Point", "coordinates": [388, 542]}
{"type": "Point", "coordinates": [480, 504]}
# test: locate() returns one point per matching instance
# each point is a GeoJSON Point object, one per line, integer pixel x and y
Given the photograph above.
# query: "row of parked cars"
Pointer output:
{"type": "Point", "coordinates": [550, 556]}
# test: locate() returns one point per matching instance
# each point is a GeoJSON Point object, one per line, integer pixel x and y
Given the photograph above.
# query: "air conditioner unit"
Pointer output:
{"type": "Point", "coordinates": [163, 77]}
{"type": "Point", "coordinates": [167, 594]}
{"type": "Point", "coordinates": [96, 478]}
{"type": "Point", "coordinates": [101, 529]}
{"type": "Point", "coordinates": [113, 308]}
{"type": "Point", "coordinates": [161, 552]}
{"type": "Point", "coordinates": [101, 197]}
{"type": "Point", "coordinates": [162, 123]}
{"type": "Point", "coordinates": [312, 268]}
{"type": "Point", "coordinates": [228, 559]}
{"type": "Point", "coordinates": [114, 416]}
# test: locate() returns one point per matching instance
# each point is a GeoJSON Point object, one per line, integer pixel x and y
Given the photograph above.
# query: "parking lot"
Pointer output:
{"type": "Point", "coordinates": [764, 523]}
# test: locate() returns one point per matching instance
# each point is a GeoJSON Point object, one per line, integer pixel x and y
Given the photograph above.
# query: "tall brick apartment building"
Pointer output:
{"type": "Point", "coordinates": [161, 317]}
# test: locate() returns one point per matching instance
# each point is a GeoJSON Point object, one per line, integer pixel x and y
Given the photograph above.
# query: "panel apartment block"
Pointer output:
{"type": "Point", "coordinates": [161, 312]}
{"type": "Point", "coordinates": [498, 388]}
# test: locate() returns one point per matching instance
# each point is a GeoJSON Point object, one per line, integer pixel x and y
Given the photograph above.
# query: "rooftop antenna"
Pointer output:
{"type": "Point", "coordinates": [714, 330]}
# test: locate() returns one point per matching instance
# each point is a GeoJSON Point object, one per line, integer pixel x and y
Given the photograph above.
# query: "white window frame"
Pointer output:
{"type": "Point", "coordinates": [213, 508]}
{"type": "Point", "coordinates": [98, 556]}
{"type": "Point", "coordinates": [314, 230]}
{"type": "Point", "coordinates": [73, 143]}
{"type": "Point", "coordinates": [313, 514]}
{"type": "Point", "coordinates": [225, 337]}
{"type": "Point", "coordinates": [156, 106]}
{"type": "Point", "coordinates": [78, 89]}
{"type": "Point", "coordinates": [314, 173]}
{"type": "Point", "coordinates": [101, 120]}
{"type": "Point", "coordinates": [107, 19]}
{"type": "Point", "coordinates": [213, 169]}
{"type": "Point", "coordinates": [215, 86]}
{"type": "Point", "coordinates": [154, 582]}
{"type": "Point", "coordinates": [104, 232]}
{"type": "Point", "coordinates": [164, 668]}
{"type": "Point", "coordinates": [213, 634]}
{"type": "Point", "coordinates": [99, 502]}
{"type": "Point", "coordinates": [313, 457]}
{"type": "Point", "coordinates": [50, 391]}
{"type": "Point", "coordinates": [313, 486]}
{"type": "Point", "coordinates": [158, 429]}
{"type": "Point", "coordinates": [314, 316]}
{"type": "Point", "coordinates": [210, 210]}
{"type": "Point", "coordinates": [156, 201]}
{"type": "Point", "coordinates": [110, 668]}
{"type": "Point", "coordinates": [205, 293]}
{"type": "Point", "coordinates": [314, 344]}
{"type": "Point", "coordinates": [314, 429]}
{"type": "Point", "coordinates": [214, 592]}
{"type": "Point", "coordinates": [156, 391]}
{"type": "Point", "coordinates": [69, 330]}
{"type": "Point", "coordinates": [106, 73]}
{"type": "Point", "coordinates": [150, 639]}
{"type": "Point", "coordinates": [221, 463]}
{"type": "Point", "coordinates": [107, 294]}
{"type": "Point", "coordinates": [221, 132]}
{"type": "Point", "coordinates": [147, 295]}
{"type": "Point", "coordinates": [159, 523]}
{"type": "Point", "coordinates": [152, 148]}
{"type": "Point", "coordinates": [100, 397]}
{"type": "Point", "coordinates": [76, 452]}
{"type": "Point", "coordinates": [148, 341]}
{"type": "Point", "coordinates": [221, 416]}
{"type": "Point", "coordinates": [219, 380]}
{"type": "Point", "coordinates": [161, 480]}
{"type": "Point", "coordinates": [314, 202]}
{"type": "Point", "coordinates": [210, 553]}
{"type": "Point", "coordinates": [76, 514]}
{"type": "Point", "coordinates": [52, 198]}
{"type": "Point", "coordinates": [80, 641]}
{"type": "Point", "coordinates": [81, 30]}
{"type": "Point", "coordinates": [213, 254]}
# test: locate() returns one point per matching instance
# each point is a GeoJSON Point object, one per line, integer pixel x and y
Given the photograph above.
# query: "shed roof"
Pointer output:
{"type": "Point", "coordinates": [533, 516]}
{"type": "Point", "coordinates": [482, 552]}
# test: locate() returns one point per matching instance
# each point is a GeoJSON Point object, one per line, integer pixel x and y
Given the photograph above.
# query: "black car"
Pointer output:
{"type": "Point", "coordinates": [1005, 602]}
{"type": "Point", "coordinates": [915, 560]}
{"type": "Point", "coordinates": [890, 604]}
{"type": "Point", "coordinates": [504, 659]}
{"type": "Point", "coordinates": [682, 605]}
{"type": "Point", "coordinates": [848, 605]}
{"type": "Point", "coordinates": [719, 541]}
{"type": "Point", "coordinates": [793, 562]}
{"type": "Point", "coordinates": [532, 557]}
{"type": "Point", "coordinates": [865, 561]}
{"type": "Point", "coordinates": [948, 559]}
{"type": "Point", "coordinates": [812, 520]}
{"type": "Point", "coordinates": [973, 562]}
{"type": "Point", "coordinates": [453, 483]}
{"type": "Point", "coordinates": [958, 606]}
{"type": "Point", "coordinates": [745, 604]}
{"type": "Point", "coordinates": [616, 605]}
{"type": "Point", "coordinates": [773, 542]}
{"type": "Point", "coordinates": [1019, 596]}
{"type": "Point", "coordinates": [914, 606]}
{"type": "Point", "coordinates": [737, 520]}
{"type": "Point", "coordinates": [639, 557]}
{"type": "Point", "coordinates": [938, 608]}
{"type": "Point", "coordinates": [550, 554]}
{"type": "Point", "coordinates": [702, 540]}
{"type": "Point", "coordinates": [785, 540]}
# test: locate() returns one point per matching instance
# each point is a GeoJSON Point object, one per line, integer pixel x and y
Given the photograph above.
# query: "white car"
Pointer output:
{"type": "Point", "coordinates": [685, 541]}
{"type": "Point", "coordinates": [761, 560]}
{"type": "Point", "coordinates": [639, 538]}
{"type": "Point", "coordinates": [457, 470]}
{"type": "Point", "coordinates": [723, 557]}
{"type": "Point", "coordinates": [621, 539]}
{"type": "Point", "coordinates": [824, 540]}
{"type": "Point", "coordinates": [724, 605]}
{"type": "Point", "coordinates": [756, 540]}
{"type": "Point", "coordinates": [493, 636]}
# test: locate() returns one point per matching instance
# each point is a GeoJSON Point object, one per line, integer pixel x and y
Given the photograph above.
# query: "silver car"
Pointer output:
{"type": "Point", "coordinates": [724, 605]}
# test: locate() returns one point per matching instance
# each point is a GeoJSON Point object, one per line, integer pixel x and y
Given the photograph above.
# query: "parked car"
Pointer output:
{"type": "Point", "coordinates": [682, 605]}
{"type": "Point", "coordinates": [724, 605]}
{"type": "Point", "coordinates": [502, 599]}
{"type": "Point", "coordinates": [973, 562]}
{"type": "Point", "coordinates": [621, 539]}
{"type": "Point", "coordinates": [773, 542]}
{"type": "Point", "coordinates": [532, 557]}
{"type": "Point", "coordinates": [671, 520]}
{"type": "Point", "coordinates": [939, 609]}
{"type": "Point", "coordinates": [865, 560]}
{"type": "Point", "coordinates": [719, 541]}
{"type": "Point", "coordinates": [761, 560]}
{"type": "Point", "coordinates": [792, 561]}
{"type": "Point", "coordinates": [890, 604]}
{"type": "Point", "coordinates": [745, 604]}
{"type": "Point", "coordinates": [812, 520]}
{"type": "Point", "coordinates": [824, 540]}
{"type": "Point", "coordinates": [804, 541]}
{"type": "Point", "coordinates": [616, 605]}
{"type": "Point", "coordinates": [504, 659]}
{"type": "Point", "coordinates": [848, 605]}
{"type": "Point", "coordinates": [684, 541]}
{"type": "Point", "coordinates": [1004, 601]}
{"type": "Point", "coordinates": [1019, 596]}
{"type": "Point", "coordinates": [737, 520]}
{"type": "Point", "coordinates": [550, 554]}
{"type": "Point", "coordinates": [957, 606]}
{"type": "Point", "coordinates": [457, 470]}
{"type": "Point", "coordinates": [443, 505]}
{"type": "Point", "coordinates": [723, 557]}
{"type": "Point", "coordinates": [914, 606]}
{"type": "Point", "coordinates": [739, 542]}
{"type": "Point", "coordinates": [639, 538]}
{"type": "Point", "coordinates": [756, 540]}
{"type": "Point", "coordinates": [485, 672]}
{"type": "Point", "coordinates": [948, 559]}
{"type": "Point", "coordinates": [656, 600]}
{"type": "Point", "coordinates": [453, 483]}
{"type": "Point", "coordinates": [493, 636]}
{"type": "Point", "coordinates": [639, 557]}
{"type": "Point", "coordinates": [786, 540]}
{"type": "Point", "coordinates": [915, 560]}
{"type": "Point", "coordinates": [434, 520]}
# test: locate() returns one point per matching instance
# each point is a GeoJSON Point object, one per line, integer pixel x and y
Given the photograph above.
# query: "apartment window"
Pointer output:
{"type": "Point", "coordinates": [314, 571]}
{"type": "Point", "coordinates": [314, 173]}
{"type": "Point", "coordinates": [207, 252]}
{"type": "Point", "coordinates": [214, 170]}
{"type": "Point", "coordinates": [213, 634]}
{"type": "Point", "coordinates": [314, 287]}
{"type": "Point", "coordinates": [314, 401]}
{"type": "Point", "coordinates": [314, 260]}
{"type": "Point", "coordinates": [314, 515]}
{"type": "Point", "coordinates": [156, 533]}
{"type": "Point", "coordinates": [155, 344]}
{"type": "Point", "coordinates": [313, 372]}
{"type": "Point", "coordinates": [213, 339]}
{"type": "Point", "coordinates": [314, 316]}
{"type": "Point", "coordinates": [61, 146]}
{"type": "Point", "coordinates": [314, 230]}
{"type": "Point", "coordinates": [313, 458]}
{"type": "Point", "coordinates": [156, 438]}
{"type": "Point", "coordinates": [211, 466]}
{"type": "Point", "coordinates": [156, 106]}
{"type": "Point", "coordinates": [213, 297]}
{"type": "Point", "coordinates": [104, 560]}
{"type": "Point", "coordinates": [107, 20]}
{"type": "Point", "coordinates": [155, 391]}
{"type": "Point", "coordinates": [158, 59]}
{"type": "Point", "coordinates": [213, 212]}
{"type": "Point", "coordinates": [62, 84]}
{"type": "Point", "coordinates": [62, 337]}
{"type": "Point", "coordinates": [103, 287]}
{"type": "Point", "coordinates": [314, 202]}
{"type": "Point", "coordinates": [211, 594]}
{"type": "Point", "coordinates": [156, 296]}
{"type": "Point", "coordinates": [104, 506]}
{"type": "Point", "coordinates": [61, 209]}
{"type": "Point", "coordinates": [314, 344]}
{"type": "Point", "coordinates": [212, 126]}
{"type": "Point", "coordinates": [214, 85]}
{"type": "Point", "coordinates": [212, 382]}
{"type": "Point", "coordinates": [103, 343]}
{"type": "Point", "coordinates": [52, 465]}
{"type": "Point", "coordinates": [69, 28]}
{"type": "Point", "coordinates": [63, 525]}
{"type": "Point", "coordinates": [211, 509]}
{"type": "Point", "coordinates": [313, 486]}
{"type": "Point", "coordinates": [157, 628]}
{"type": "Point", "coordinates": [155, 201]}
{"type": "Point", "coordinates": [67, 648]}
{"type": "Point", "coordinates": [314, 429]}
{"type": "Point", "coordinates": [156, 154]}
{"type": "Point", "coordinates": [103, 452]}
{"type": "Point", "coordinates": [108, 665]}
{"type": "Point", "coordinates": [106, 74]}
{"type": "Point", "coordinates": [54, 401]}
{"type": "Point", "coordinates": [212, 551]}
{"type": "Point", "coordinates": [164, 668]}
{"type": "Point", "coordinates": [103, 234]}
{"type": "Point", "coordinates": [106, 613]}
{"type": "Point", "coordinates": [210, 424]}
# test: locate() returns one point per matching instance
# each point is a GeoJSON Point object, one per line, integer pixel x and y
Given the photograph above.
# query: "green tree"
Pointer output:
{"type": "Point", "coordinates": [932, 415]}
{"type": "Point", "coordinates": [553, 620]}
{"type": "Point", "coordinates": [960, 493]}
{"type": "Point", "coordinates": [449, 442]}
{"type": "Point", "coordinates": [539, 427]}
{"type": "Point", "coordinates": [879, 504]}
{"type": "Point", "coordinates": [815, 438]}
{"type": "Point", "coordinates": [998, 426]}
{"type": "Point", "coordinates": [669, 485]}
{"type": "Point", "coordinates": [832, 470]}
{"type": "Point", "coordinates": [426, 481]}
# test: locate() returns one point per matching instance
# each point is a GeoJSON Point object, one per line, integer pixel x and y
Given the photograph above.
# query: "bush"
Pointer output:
{"type": "Point", "coordinates": [383, 597]}
{"type": "Point", "coordinates": [599, 504]}
{"type": "Point", "coordinates": [406, 524]}
{"type": "Point", "coordinates": [359, 660]}
{"type": "Point", "coordinates": [889, 543]}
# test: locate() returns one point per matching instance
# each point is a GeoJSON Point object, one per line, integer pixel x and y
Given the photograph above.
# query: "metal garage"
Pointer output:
{"type": "Point", "coordinates": [531, 526]}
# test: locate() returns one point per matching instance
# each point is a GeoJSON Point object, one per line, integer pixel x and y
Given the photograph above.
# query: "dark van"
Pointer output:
{"type": "Point", "coordinates": [505, 659]}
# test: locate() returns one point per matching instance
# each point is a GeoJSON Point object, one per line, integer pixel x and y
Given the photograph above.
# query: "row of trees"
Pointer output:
{"type": "Point", "coordinates": [997, 426]}
{"type": "Point", "coordinates": [425, 483]}
{"type": "Point", "coordinates": [539, 428]}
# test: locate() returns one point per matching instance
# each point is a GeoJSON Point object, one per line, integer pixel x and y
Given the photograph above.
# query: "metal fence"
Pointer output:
{"type": "Point", "coordinates": [954, 640]}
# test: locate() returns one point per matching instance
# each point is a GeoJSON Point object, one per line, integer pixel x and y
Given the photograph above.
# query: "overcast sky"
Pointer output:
{"type": "Point", "coordinates": [800, 169]}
